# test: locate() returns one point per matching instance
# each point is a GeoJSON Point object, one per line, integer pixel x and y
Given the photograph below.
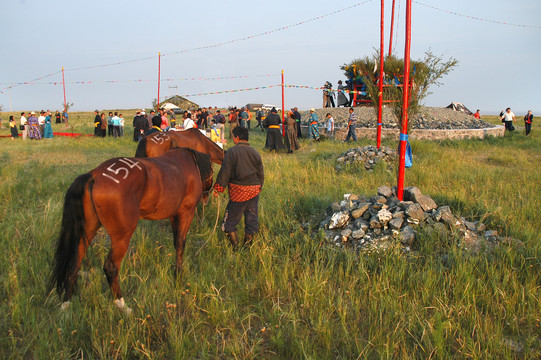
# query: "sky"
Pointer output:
{"type": "Point", "coordinates": [498, 61]}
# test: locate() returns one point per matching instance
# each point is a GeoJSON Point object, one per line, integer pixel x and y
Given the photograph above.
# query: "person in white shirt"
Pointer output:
{"type": "Point", "coordinates": [188, 122]}
{"type": "Point", "coordinates": [41, 122]}
{"type": "Point", "coordinates": [508, 118]}
{"type": "Point", "coordinates": [24, 123]}
{"type": "Point", "coordinates": [330, 126]}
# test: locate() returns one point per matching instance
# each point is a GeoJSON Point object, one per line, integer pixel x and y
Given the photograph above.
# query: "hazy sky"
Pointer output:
{"type": "Point", "coordinates": [499, 64]}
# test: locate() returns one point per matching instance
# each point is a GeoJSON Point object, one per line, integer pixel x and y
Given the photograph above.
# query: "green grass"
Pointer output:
{"type": "Point", "coordinates": [290, 296]}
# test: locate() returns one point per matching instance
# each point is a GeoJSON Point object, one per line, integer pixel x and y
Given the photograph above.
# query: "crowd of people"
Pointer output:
{"type": "Point", "coordinates": [34, 127]}
{"type": "Point", "coordinates": [280, 135]}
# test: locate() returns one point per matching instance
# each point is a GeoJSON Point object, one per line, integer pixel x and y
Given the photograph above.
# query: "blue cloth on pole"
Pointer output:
{"type": "Point", "coordinates": [409, 155]}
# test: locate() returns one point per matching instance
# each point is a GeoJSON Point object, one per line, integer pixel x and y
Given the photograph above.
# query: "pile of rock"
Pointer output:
{"type": "Point", "coordinates": [427, 118]}
{"type": "Point", "coordinates": [383, 221]}
{"type": "Point", "coordinates": [367, 156]}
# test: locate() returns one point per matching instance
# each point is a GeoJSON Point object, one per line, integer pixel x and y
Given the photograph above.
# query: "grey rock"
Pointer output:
{"type": "Point", "coordinates": [405, 204]}
{"type": "Point", "coordinates": [469, 225]}
{"type": "Point", "coordinates": [339, 219]}
{"type": "Point", "coordinates": [415, 211]}
{"type": "Point", "coordinates": [444, 214]}
{"type": "Point", "coordinates": [374, 223]}
{"type": "Point", "coordinates": [362, 224]}
{"type": "Point", "coordinates": [367, 215]}
{"type": "Point", "coordinates": [396, 223]}
{"type": "Point", "coordinates": [426, 202]}
{"type": "Point", "coordinates": [335, 206]}
{"type": "Point", "coordinates": [346, 232]}
{"type": "Point", "coordinates": [361, 208]}
{"type": "Point", "coordinates": [491, 233]}
{"type": "Point", "coordinates": [399, 214]}
{"type": "Point", "coordinates": [407, 236]}
{"type": "Point", "coordinates": [357, 234]}
{"type": "Point", "coordinates": [412, 193]}
{"type": "Point", "coordinates": [381, 199]}
{"type": "Point", "coordinates": [385, 191]}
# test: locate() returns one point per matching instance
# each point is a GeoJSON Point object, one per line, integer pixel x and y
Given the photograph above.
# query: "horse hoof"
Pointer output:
{"type": "Point", "coordinates": [65, 305]}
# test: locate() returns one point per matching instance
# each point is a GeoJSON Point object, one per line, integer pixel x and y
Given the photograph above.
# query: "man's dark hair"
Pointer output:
{"type": "Point", "coordinates": [156, 121]}
{"type": "Point", "coordinates": [241, 133]}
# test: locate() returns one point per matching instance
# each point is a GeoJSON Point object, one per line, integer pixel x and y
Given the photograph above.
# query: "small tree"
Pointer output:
{"type": "Point", "coordinates": [423, 74]}
{"type": "Point", "coordinates": [67, 106]}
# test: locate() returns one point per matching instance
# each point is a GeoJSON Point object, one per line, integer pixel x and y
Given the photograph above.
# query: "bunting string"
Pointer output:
{"type": "Point", "coordinates": [142, 80]}
{"type": "Point", "coordinates": [478, 18]}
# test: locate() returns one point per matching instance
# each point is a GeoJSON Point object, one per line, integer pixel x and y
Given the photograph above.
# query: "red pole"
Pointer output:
{"type": "Point", "coordinates": [405, 100]}
{"type": "Point", "coordinates": [64, 87]}
{"type": "Point", "coordinates": [283, 108]}
{"type": "Point", "coordinates": [380, 87]}
{"type": "Point", "coordinates": [391, 36]}
{"type": "Point", "coordinates": [159, 75]}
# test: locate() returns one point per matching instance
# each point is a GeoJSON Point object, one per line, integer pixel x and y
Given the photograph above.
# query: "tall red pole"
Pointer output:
{"type": "Point", "coordinates": [64, 87]}
{"type": "Point", "coordinates": [283, 107]}
{"type": "Point", "coordinates": [391, 36]}
{"type": "Point", "coordinates": [380, 87]}
{"type": "Point", "coordinates": [405, 101]}
{"type": "Point", "coordinates": [159, 77]}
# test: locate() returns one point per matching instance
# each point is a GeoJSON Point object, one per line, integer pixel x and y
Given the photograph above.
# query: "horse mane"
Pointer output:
{"type": "Point", "coordinates": [203, 163]}
{"type": "Point", "coordinates": [206, 138]}
{"type": "Point", "coordinates": [141, 148]}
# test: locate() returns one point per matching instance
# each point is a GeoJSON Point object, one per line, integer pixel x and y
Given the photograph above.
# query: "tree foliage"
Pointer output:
{"type": "Point", "coordinates": [423, 74]}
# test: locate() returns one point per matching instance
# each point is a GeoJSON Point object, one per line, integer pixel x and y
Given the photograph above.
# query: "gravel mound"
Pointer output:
{"type": "Point", "coordinates": [428, 118]}
{"type": "Point", "coordinates": [382, 222]}
{"type": "Point", "coordinates": [368, 156]}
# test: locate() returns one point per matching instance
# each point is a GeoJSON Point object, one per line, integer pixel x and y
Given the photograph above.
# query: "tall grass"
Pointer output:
{"type": "Point", "coordinates": [291, 295]}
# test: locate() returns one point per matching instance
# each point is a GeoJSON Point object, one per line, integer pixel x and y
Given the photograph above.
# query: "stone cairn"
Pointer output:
{"type": "Point", "coordinates": [367, 156]}
{"type": "Point", "coordinates": [383, 221]}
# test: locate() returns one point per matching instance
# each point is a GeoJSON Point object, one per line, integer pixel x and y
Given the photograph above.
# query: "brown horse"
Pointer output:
{"type": "Point", "coordinates": [158, 143]}
{"type": "Point", "coordinates": [116, 195]}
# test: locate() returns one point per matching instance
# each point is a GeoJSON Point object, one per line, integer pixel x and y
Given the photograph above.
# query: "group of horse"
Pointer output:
{"type": "Point", "coordinates": [169, 175]}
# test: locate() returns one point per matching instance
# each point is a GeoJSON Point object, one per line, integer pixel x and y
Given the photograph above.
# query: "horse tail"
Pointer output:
{"type": "Point", "coordinates": [141, 148]}
{"type": "Point", "coordinates": [71, 232]}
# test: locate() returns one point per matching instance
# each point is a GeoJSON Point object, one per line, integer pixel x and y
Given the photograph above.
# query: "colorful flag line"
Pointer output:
{"type": "Point", "coordinates": [231, 91]}
{"type": "Point", "coordinates": [205, 47]}
{"type": "Point", "coordinates": [141, 80]}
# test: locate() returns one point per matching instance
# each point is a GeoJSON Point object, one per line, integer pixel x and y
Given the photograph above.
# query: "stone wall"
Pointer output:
{"type": "Point", "coordinates": [417, 134]}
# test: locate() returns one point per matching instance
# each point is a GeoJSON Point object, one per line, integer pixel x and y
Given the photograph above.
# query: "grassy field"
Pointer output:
{"type": "Point", "coordinates": [291, 295]}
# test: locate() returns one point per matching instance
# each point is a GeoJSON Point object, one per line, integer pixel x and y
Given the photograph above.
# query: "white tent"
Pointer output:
{"type": "Point", "coordinates": [169, 106]}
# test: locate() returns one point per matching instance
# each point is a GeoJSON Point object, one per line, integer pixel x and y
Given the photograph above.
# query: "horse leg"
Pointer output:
{"type": "Point", "coordinates": [119, 247]}
{"type": "Point", "coordinates": [180, 224]}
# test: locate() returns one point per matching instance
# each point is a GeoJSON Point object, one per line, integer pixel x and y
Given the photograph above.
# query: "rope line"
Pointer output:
{"type": "Point", "coordinates": [478, 18]}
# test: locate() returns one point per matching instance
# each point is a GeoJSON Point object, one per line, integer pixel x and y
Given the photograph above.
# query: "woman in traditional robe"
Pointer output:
{"type": "Point", "coordinates": [274, 136]}
{"type": "Point", "coordinates": [48, 128]}
{"type": "Point", "coordinates": [291, 133]}
{"type": "Point", "coordinates": [33, 127]}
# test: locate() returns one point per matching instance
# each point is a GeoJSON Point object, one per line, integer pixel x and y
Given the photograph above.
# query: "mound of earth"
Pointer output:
{"type": "Point", "coordinates": [428, 118]}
